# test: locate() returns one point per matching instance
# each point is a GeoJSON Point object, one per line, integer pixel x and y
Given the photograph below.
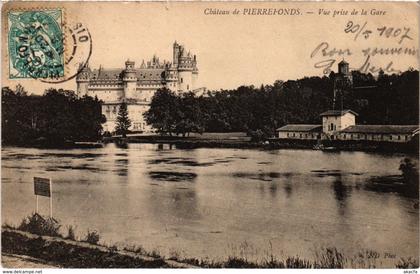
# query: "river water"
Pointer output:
{"type": "Point", "coordinates": [212, 203]}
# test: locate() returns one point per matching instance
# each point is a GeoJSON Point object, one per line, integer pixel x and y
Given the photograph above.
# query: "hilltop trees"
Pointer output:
{"type": "Point", "coordinates": [389, 99]}
{"type": "Point", "coordinates": [123, 122]}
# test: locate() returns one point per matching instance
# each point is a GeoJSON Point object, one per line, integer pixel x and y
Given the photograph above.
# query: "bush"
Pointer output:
{"type": "Point", "coordinates": [330, 258]}
{"type": "Point", "coordinates": [70, 233]}
{"type": "Point", "coordinates": [92, 237]}
{"type": "Point", "coordinates": [410, 176]}
{"type": "Point", "coordinates": [39, 225]}
{"type": "Point", "coordinates": [407, 263]}
{"type": "Point", "coordinates": [257, 135]}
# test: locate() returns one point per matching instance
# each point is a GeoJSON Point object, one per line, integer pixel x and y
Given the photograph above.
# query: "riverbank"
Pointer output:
{"type": "Point", "coordinates": [240, 140]}
{"type": "Point", "coordinates": [235, 140]}
{"type": "Point", "coordinates": [25, 249]}
{"type": "Point", "coordinates": [22, 261]}
{"type": "Point", "coordinates": [76, 254]}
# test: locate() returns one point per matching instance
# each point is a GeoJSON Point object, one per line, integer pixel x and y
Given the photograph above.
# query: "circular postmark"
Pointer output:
{"type": "Point", "coordinates": [78, 51]}
{"type": "Point", "coordinates": [36, 44]}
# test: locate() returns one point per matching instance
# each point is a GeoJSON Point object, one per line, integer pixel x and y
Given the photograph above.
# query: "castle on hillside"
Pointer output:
{"type": "Point", "coordinates": [137, 85]}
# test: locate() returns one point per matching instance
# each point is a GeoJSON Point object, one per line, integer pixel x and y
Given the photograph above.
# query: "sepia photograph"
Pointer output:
{"type": "Point", "coordinates": [257, 135]}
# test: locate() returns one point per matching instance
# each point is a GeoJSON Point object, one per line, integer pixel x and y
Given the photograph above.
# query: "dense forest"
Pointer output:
{"type": "Point", "coordinates": [386, 99]}
{"type": "Point", "coordinates": [54, 118]}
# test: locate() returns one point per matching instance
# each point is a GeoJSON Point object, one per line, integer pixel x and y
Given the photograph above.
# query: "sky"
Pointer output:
{"type": "Point", "coordinates": [233, 50]}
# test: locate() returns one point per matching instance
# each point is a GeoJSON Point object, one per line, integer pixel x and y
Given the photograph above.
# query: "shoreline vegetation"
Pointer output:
{"type": "Point", "coordinates": [241, 141]}
{"type": "Point", "coordinates": [234, 140]}
{"type": "Point", "coordinates": [59, 118]}
{"type": "Point", "coordinates": [39, 237]}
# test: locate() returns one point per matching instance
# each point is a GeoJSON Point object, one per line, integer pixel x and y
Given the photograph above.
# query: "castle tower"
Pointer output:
{"type": "Point", "coordinates": [194, 73]}
{"type": "Point", "coordinates": [129, 80]}
{"type": "Point", "coordinates": [185, 69]}
{"type": "Point", "coordinates": [82, 80]}
{"type": "Point", "coordinates": [343, 81]}
{"type": "Point", "coordinates": [344, 71]}
{"type": "Point", "coordinates": [176, 49]}
{"type": "Point", "coordinates": [171, 77]}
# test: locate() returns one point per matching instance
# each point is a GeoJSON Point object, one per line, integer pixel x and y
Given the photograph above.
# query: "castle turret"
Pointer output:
{"type": "Point", "coordinates": [176, 49]}
{"type": "Point", "coordinates": [343, 81]}
{"type": "Point", "coordinates": [129, 79]}
{"type": "Point", "coordinates": [171, 77]}
{"type": "Point", "coordinates": [194, 73]}
{"type": "Point", "coordinates": [185, 68]}
{"type": "Point", "coordinates": [344, 70]}
{"type": "Point", "coordinates": [82, 80]}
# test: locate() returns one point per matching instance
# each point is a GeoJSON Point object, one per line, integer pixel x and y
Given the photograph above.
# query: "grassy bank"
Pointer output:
{"type": "Point", "coordinates": [39, 238]}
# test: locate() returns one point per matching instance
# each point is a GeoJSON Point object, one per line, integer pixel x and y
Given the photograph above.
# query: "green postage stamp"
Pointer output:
{"type": "Point", "coordinates": [36, 44]}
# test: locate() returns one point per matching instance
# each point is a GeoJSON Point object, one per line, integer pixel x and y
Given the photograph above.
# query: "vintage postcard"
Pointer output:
{"type": "Point", "coordinates": [210, 135]}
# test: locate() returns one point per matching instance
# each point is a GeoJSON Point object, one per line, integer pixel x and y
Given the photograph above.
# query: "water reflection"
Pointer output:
{"type": "Point", "coordinates": [273, 189]}
{"type": "Point", "coordinates": [283, 196]}
{"type": "Point", "coordinates": [184, 204]}
{"type": "Point", "coordinates": [341, 194]}
{"type": "Point", "coordinates": [288, 188]}
{"type": "Point", "coordinates": [172, 176]}
{"type": "Point", "coordinates": [178, 204]}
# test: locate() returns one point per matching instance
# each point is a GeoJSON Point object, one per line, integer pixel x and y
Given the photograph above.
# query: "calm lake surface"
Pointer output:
{"type": "Point", "coordinates": [217, 202]}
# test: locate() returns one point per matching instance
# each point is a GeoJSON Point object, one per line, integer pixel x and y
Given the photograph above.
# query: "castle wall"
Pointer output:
{"type": "Point", "coordinates": [82, 88]}
{"type": "Point", "coordinates": [194, 81]}
{"type": "Point", "coordinates": [135, 114]}
{"type": "Point", "coordinates": [137, 85]}
{"type": "Point", "coordinates": [185, 81]}
{"type": "Point", "coordinates": [144, 93]}
{"type": "Point", "coordinates": [107, 94]}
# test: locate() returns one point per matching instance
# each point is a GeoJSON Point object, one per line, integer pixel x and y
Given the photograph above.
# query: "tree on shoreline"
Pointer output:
{"type": "Point", "coordinates": [389, 99]}
{"type": "Point", "coordinates": [123, 122]}
{"type": "Point", "coordinates": [163, 111]}
{"type": "Point", "coordinates": [54, 118]}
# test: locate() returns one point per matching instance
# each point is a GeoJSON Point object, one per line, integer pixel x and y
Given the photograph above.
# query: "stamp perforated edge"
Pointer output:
{"type": "Point", "coordinates": [63, 26]}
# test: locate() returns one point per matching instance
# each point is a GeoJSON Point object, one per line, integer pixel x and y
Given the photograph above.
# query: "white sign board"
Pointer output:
{"type": "Point", "coordinates": [42, 187]}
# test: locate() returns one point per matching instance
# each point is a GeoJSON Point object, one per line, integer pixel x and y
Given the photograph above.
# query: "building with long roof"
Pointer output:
{"type": "Point", "coordinates": [341, 124]}
{"type": "Point", "coordinates": [137, 85]}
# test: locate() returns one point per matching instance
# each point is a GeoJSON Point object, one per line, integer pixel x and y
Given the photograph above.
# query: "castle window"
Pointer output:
{"type": "Point", "coordinates": [188, 87]}
{"type": "Point", "coordinates": [406, 137]}
{"type": "Point", "coordinates": [399, 137]}
{"type": "Point", "coordinates": [182, 80]}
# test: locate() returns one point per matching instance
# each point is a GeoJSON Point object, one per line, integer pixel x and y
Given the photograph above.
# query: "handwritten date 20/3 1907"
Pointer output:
{"type": "Point", "coordinates": [357, 29]}
{"type": "Point", "coordinates": [399, 34]}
